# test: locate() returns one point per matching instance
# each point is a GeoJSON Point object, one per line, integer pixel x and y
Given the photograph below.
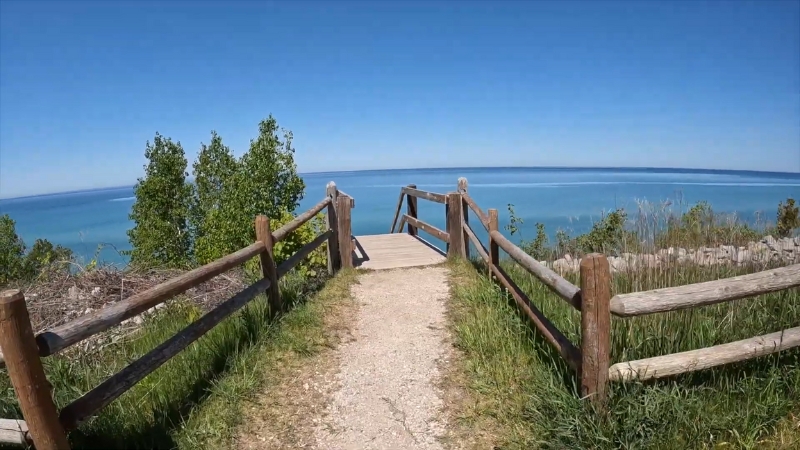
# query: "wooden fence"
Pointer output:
{"type": "Point", "coordinates": [45, 427]}
{"type": "Point", "coordinates": [590, 358]}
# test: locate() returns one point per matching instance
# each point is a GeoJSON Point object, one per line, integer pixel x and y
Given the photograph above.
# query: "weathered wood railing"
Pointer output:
{"type": "Point", "coordinates": [45, 427]}
{"type": "Point", "coordinates": [453, 236]}
{"type": "Point", "coordinates": [593, 299]}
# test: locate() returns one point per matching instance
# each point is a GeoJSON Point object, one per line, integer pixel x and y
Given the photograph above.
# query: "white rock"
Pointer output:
{"type": "Point", "coordinates": [96, 291]}
{"type": "Point", "coordinates": [73, 293]}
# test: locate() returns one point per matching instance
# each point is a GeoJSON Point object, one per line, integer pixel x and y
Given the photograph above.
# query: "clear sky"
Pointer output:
{"type": "Point", "coordinates": [691, 84]}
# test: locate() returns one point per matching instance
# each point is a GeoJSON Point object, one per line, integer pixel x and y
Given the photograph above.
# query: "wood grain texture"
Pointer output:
{"type": "Point", "coordinates": [345, 231]}
{"type": "Point", "coordinates": [27, 374]}
{"type": "Point", "coordinates": [478, 244]}
{"type": "Point", "coordinates": [556, 283]}
{"type": "Point", "coordinates": [494, 249]}
{"type": "Point", "coordinates": [281, 233]}
{"type": "Point", "coordinates": [595, 327]}
{"type": "Point", "coordinates": [391, 251]}
{"type": "Point", "coordinates": [13, 431]}
{"type": "Point", "coordinates": [483, 217]}
{"type": "Point", "coordinates": [462, 188]}
{"type": "Point", "coordinates": [106, 392]}
{"type": "Point", "coordinates": [58, 338]}
{"type": "Point", "coordinates": [352, 200]}
{"type": "Point", "coordinates": [332, 224]}
{"type": "Point", "coordinates": [430, 229]}
{"type": "Point", "coordinates": [397, 212]}
{"type": "Point", "coordinates": [411, 208]}
{"type": "Point", "coordinates": [268, 268]}
{"type": "Point", "coordinates": [552, 335]}
{"type": "Point", "coordinates": [707, 293]}
{"type": "Point", "coordinates": [301, 254]}
{"type": "Point", "coordinates": [430, 196]}
{"type": "Point", "coordinates": [704, 358]}
{"type": "Point", "coordinates": [455, 227]}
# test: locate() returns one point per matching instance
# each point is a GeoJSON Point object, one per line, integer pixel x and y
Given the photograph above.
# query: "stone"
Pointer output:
{"type": "Point", "coordinates": [96, 291]}
{"type": "Point", "coordinates": [73, 293]}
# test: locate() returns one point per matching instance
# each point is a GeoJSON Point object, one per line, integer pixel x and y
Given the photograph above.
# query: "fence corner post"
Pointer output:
{"type": "Point", "coordinates": [494, 250]}
{"type": "Point", "coordinates": [334, 260]}
{"type": "Point", "coordinates": [268, 268]}
{"type": "Point", "coordinates": [595, 328]}
{"type": "Point", "coordinates": [343, 211]}
{"type": "Point", "coordinates": [462, 188]}
{"type": "Point", "coordinates": [455, 227]}
{"type": "Point", "coordinates": [411, 204]}
{"type": "Point", "coordinates": [27, 374]}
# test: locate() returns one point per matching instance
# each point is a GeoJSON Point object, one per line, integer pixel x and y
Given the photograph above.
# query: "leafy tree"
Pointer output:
{"type": "Point", "coordinates": [265, 182]}
{"type": "Point", "coordinates": [160, 235]}
{"type": "Point", "coordinates": [12, 250]}
{"type": "Point", "coordinates": [788, 218]}
{"type": "Point", "coordinates": [213, 172]}
{"type": "Point", "coordinates": [45, 256]}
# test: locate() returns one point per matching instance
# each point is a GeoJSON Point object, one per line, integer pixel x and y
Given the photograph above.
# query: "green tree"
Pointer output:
{"type": "Point", "coordinates": [788, 218]}
{"type": "Point", "coordinates": [12, 250]}
{"type": "Point", "coordinates": [213, 171]}
{"type": "Point", "coordinates": [45, 256]}
{"type": "Point", "coordinates": [160, 234]}
{"type": "Point", "coordinates": [265, 182]}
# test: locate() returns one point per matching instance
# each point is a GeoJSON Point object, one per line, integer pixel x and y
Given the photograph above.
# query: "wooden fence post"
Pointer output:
{"type": "Point", "coordinates": [454, 227]}
{"type": "Point", "coordinates": [334, 259]}
{"type": "Point", "coordinates": [411, 203]}
{"type": "Point", "coordinates": [595, 327]}
{"type": "Point", "coordinates": [27, 374]}
{"type": "Point", "coordinates": [494, 250]}
{"type": "Point", "coordinates": [462, 188]}
{"type": "Point", "coordinates": [268, 268]}
{"type": "Point", "coordinates": [345, 231]}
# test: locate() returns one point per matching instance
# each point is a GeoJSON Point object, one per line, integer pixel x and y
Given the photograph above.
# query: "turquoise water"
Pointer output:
{"type": "Point", "coordinates": [560, 198]}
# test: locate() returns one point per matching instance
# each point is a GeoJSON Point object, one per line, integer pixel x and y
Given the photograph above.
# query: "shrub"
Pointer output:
{"type": "Point", "coordinates": [788, 219]}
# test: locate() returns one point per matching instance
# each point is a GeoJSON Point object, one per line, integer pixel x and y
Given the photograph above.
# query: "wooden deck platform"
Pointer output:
{"type": "Point", "coordinates": [391, 251]}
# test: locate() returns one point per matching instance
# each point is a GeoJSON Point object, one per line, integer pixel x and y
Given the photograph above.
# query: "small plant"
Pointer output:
{"type": "Point", "coordinates": [788, 218]}
{"type": "Point", "coordinates": [514, 221]}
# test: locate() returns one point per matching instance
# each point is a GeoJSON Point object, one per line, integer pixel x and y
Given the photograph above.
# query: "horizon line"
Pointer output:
{"type": "Point", "coordinates": [629, 168]}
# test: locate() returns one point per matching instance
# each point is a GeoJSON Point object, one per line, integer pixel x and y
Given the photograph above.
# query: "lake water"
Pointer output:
{"type": "Point", "coordinates": [570, 199]}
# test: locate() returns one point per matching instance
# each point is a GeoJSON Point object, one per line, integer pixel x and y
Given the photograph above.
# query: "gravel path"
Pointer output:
{"type": "Point", "coordinates": [386, 396]}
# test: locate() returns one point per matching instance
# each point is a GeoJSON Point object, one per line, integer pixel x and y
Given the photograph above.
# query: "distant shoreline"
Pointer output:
{"type": "Point", "coordinates": [466, 170]}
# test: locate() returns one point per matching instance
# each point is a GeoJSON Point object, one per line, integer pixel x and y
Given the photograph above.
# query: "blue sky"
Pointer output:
{"type": "Point", "coordinates": [83, 85]}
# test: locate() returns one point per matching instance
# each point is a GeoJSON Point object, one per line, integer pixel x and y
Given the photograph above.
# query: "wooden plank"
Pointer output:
{"type": "Point", "coordinates": [334, 261]}
{"type": "Point", "coordinates": [595, 327]}
{"type": "Point", "coordinates": [301, 254]}
{"type": "Point", "coordinates": [411, 209]}
{"type": "Point", "coordinates": [15, 432]}
{"type": "Point", "coordinates": [430, 196]}
{"type": "Point", "coordinates": [281, 233]}
{"type": "Point", "coordinates": [455, 227]}
{"type": "Point", "coordinates": [352, 200]}
{"type": "Point", "coordinates": [494, 252]}
{"type": "Point", "coordinates": [267, 258]}
{"type": "Point", "coordinates": [462, 188]}
{"type": "Point", "coordinates": [345, 231]}
{"type": "Point", "coordinates": [99, 397]}
{"type": "Point", "coordinates": [478, 244]}
{"type": "Point", "coordinates": [552, 335]}
{"type": "Point", "coordinates": [430, 229]}
{"type": "Point", "coordinates": [61, 337]}
{"type": "Point", "coordinates": [389, 251]}
{"type": "Point", "coordinates": [707, 293]}
{"type": "Point", "coordinates": [484, 218]}
{"type": "Point", "coordinates": [556, 283]}
{"type": "Point", "coordinates": [397, 213]}
{"type": "Point", "coordinates": [704, 358]}
{"type": "Point", "coordinates": [27, 374]}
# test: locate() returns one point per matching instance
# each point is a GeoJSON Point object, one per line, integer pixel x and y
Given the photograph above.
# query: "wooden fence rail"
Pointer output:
{"type": "Point", "coordinates": [593, 299]}
{"type": "Point", "coordinates": [44, 427]}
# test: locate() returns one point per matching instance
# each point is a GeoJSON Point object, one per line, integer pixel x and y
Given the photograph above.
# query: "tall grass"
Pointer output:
{"type": "Point", "coordinates": [156, 411]}
{"type": "Point", "coordinates": [534, 397]}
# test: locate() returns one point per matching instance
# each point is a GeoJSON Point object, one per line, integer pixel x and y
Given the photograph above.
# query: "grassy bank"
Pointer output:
{"type": "Point", "coordinates": [532, 396]}
{"type": "Point", "coordinates": [193, 401]}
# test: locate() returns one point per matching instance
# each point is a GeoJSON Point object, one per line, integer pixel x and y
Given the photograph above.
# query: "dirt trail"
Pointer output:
{"type": "Point", "coordinates": [385, 392]}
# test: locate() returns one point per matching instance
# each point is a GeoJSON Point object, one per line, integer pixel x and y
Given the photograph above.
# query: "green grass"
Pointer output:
{"type": "Point", "coordinates": [531, 395]}
{"type": "Point", "coordinates": [194, 400]}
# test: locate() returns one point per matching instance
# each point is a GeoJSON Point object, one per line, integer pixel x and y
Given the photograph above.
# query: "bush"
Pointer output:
{"type": "Point", "coordinates": [788, 219]}
{"type": "Point", "coordinates": [17, 265]}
